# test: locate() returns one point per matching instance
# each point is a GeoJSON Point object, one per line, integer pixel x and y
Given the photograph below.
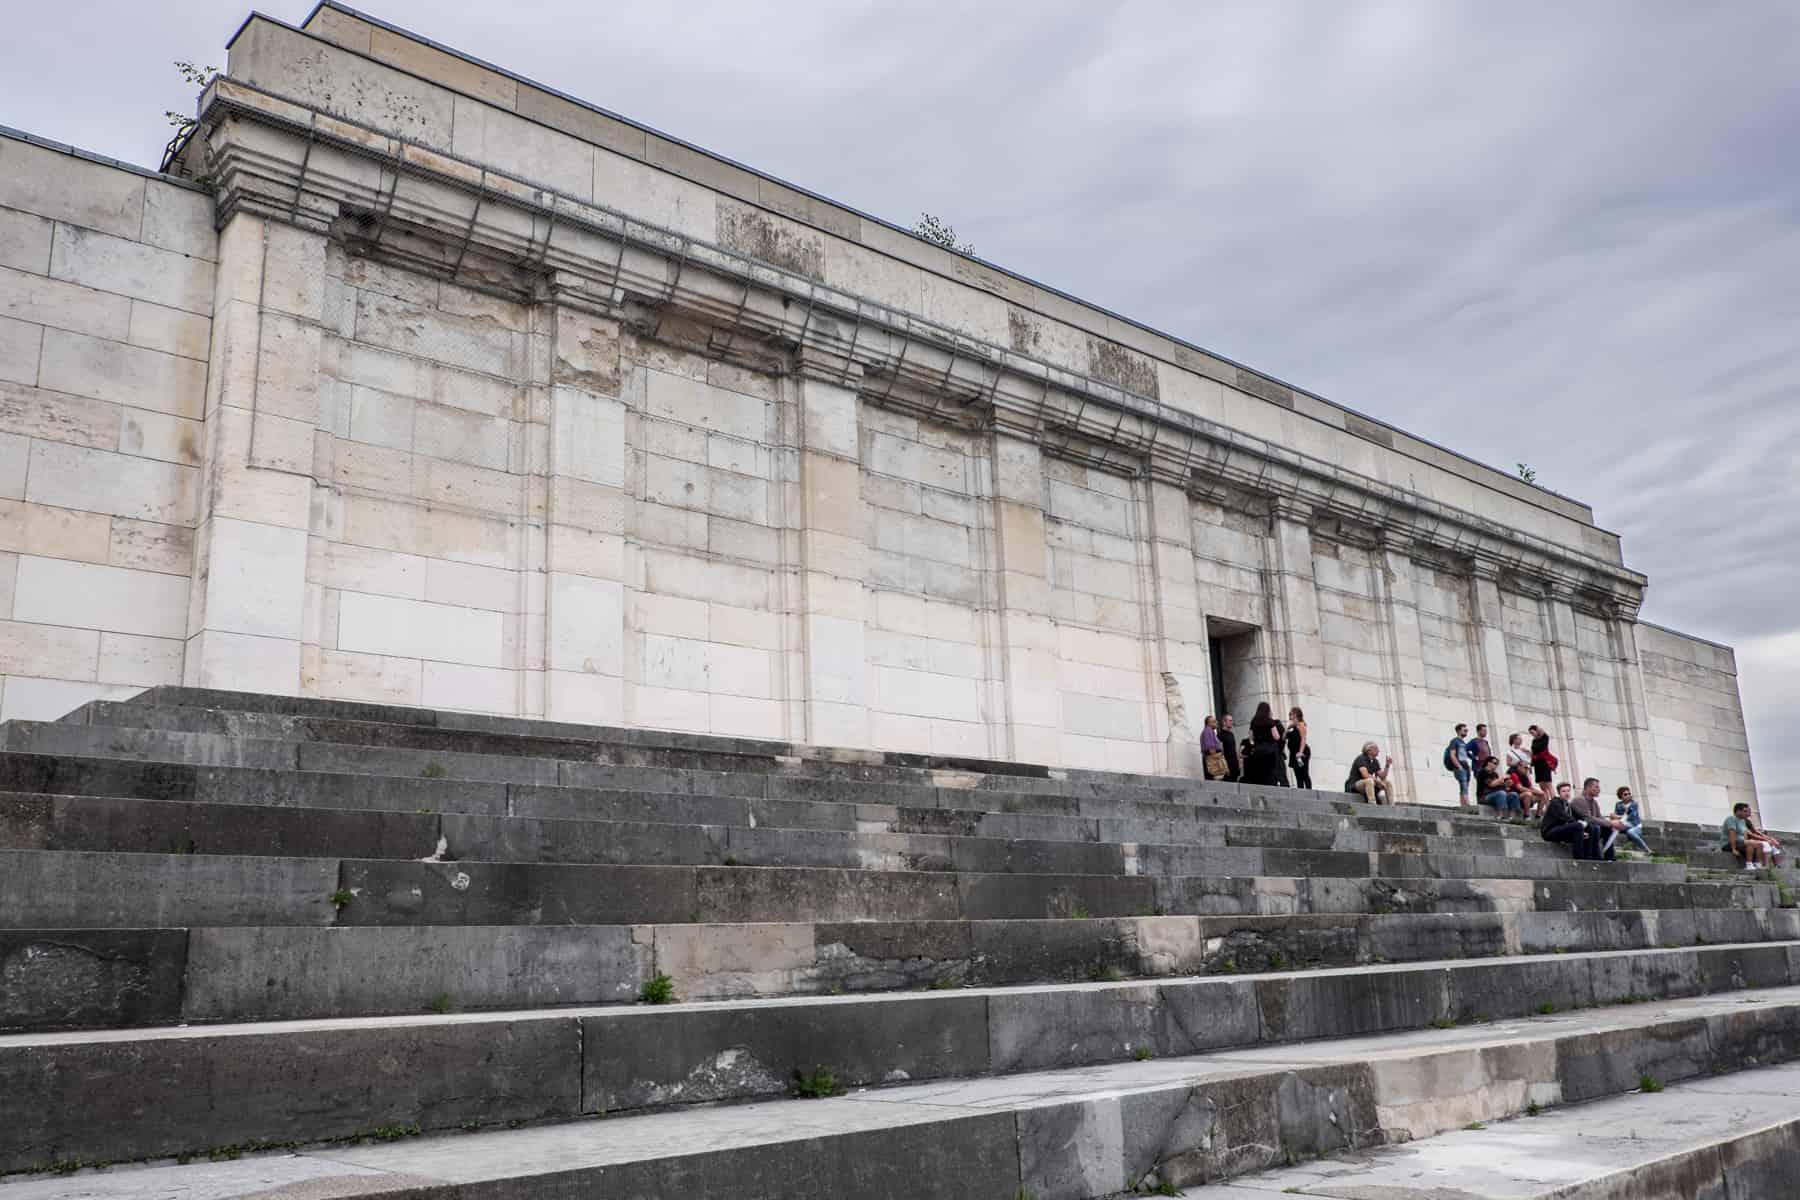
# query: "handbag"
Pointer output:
{"type": "Point", "coordinates": [1214, 763]}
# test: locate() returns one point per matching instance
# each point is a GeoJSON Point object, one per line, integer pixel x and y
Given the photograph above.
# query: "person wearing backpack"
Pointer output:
{"type": "Point", "coordinates": [1458, 762]}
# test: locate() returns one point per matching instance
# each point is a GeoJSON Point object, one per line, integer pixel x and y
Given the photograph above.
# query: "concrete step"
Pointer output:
{"type": "Point", "coordinates": [1737, 1136]}
{"type": "Point", "coordinates": [47, 889]}
{"type": "Point", "coordinates": [230, 710]}
{"type": "Point", "coordinates": [1129, 1123]}
{"type": "Point", "coordinates": [88, 823]}
{"type": "Point", "coordinates": [71, 978]}
{"type": "Point", "coordinates": [712, 799]}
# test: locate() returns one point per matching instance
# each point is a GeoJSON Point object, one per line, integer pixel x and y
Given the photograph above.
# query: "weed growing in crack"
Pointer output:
{"type": "Point", "coordinates": [1143, 1054]}
{"type": "Point", "coordinates": [433, 770]}
{"type": "Point", "coordinates": [816, 1084]}
{"type": "Point", "coordinates": [442, 1003]}
{"type": "Point", "coordinates": [340, 898]}
{"type": "Point", "coordinates": [659, 990]}
{"type": "Point", "coordinates": [1649, 1083]}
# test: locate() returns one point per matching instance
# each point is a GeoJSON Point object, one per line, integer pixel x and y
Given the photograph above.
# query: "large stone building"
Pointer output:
{"type": "Point", "coordinates": [414, 381]}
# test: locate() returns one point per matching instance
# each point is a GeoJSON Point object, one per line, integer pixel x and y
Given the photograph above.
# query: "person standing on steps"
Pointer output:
{"type": "Point", "coordinates": [1543, 763]}
{"type": "Point", "coordinates": [1560, 824]}
{"type": "Point", "coordinates": [1267, 743]}
{"type": "Point", "coordinates": [1458, 762]}
{"type": "Point", "coordinates": [1369, 776]}
{"type": "Point", "coordinates": [1479, 746]}
{"type": "Point", "coordinates": [1212, 750]}
{"type": "Point", "coordinates": [1299, 749]}
{"type": "Point", "coordinates": [1234, 770]}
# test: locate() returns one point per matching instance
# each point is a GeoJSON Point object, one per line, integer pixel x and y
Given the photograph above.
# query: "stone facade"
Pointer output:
{"type": "Point", "coordinates": [481, 398]}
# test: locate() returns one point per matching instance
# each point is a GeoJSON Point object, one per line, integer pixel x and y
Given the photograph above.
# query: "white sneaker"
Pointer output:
{"type": "Point", "coordinates": [1750, 866]}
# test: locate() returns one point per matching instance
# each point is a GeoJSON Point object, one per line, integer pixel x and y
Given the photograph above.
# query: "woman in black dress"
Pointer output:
{"type": "Point", "coordinates": [1543, 763]}
{"type": "Point", "coordinates": [1267, 740]}
{"type": "Point", "coordinates": [1299, 750]}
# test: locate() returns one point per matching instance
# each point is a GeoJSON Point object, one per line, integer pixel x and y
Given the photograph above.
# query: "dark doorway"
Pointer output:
{"type": "Point", "coordinates": [1238, 678]}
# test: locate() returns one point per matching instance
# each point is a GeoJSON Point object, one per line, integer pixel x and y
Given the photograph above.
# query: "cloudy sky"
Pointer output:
{"type": "Point", "coordinates": [1567, 234]}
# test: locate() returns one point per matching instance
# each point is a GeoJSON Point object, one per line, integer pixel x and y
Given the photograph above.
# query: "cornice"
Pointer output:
{"type": "Point", "coordinates": [456, 219]}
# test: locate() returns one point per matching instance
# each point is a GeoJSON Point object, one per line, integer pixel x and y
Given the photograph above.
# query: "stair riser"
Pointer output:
{"type": "Point", "coordinates": [682, 797]}
{"type": "Point", "coordinates": [102, 979]}
{"type": "Point", "coordinates": [74, 890]}
{"type": "Point", "coordinates": [189, 1090]}
{"type": "Point", "coordinates": [139, 826]}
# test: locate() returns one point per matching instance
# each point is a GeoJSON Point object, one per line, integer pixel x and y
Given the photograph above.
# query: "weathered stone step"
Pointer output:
{"type": "Point", "coordinates": [71, 978]}
{"type": "Point", "coordinates": [1130, 1121]}
{"type": "Point", "coordinates": [87, 823]}
{"type": "Point", "coordinates": [42, 889]}
{"type": "Point", "coordinates": [711, 799]}
{"type": "Point", "coordinates": [1701, 1137]}
{"type": "Point", "coordinates": [1006, 775]}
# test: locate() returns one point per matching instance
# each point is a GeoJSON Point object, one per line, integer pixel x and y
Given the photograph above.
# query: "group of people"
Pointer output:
{"type": "Point", "coordinates": [1521, 788]}
{"type": "Point", "coordinates": [1265, 756]}
{"type": "Point", "coordinates": [1521, 785]}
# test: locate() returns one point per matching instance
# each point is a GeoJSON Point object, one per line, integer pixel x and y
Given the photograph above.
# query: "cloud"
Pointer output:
{"type": "Point", "coordinates": [1566, 234]}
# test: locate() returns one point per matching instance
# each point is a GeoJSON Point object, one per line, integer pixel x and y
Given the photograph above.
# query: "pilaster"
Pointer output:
{"type": "Point", "coordinates": [1409, 701]}
{"type": "Point", "coordinates": [246, 610]}
{"type": "Point", "coordinates": [1487, 653]}
{"type": "Point", "coordinates": [580, 637]}
{"type": "Point", "coordinates": [1568, 702]}
{"type": "Point", "coordinates": [1298, 650]}
{"type": "Point", "coordinates": [1033, 704]}
{"type": "Point", "coordinates": [833, 554]}
{"type": "Point", "coordinates": [1634, 711]}
{"type": "Point", "coordinates": [1180, 628]}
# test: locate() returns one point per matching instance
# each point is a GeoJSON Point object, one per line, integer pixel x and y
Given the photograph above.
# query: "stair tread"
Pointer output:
{"type": "Point", "coordinates": [590, 1145]}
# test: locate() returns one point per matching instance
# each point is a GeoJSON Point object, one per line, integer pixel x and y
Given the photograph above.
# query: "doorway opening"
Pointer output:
{"type": "Point", "coordinates": [1238, 679]}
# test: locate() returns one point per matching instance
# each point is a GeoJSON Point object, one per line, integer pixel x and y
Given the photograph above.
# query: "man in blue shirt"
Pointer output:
{"type": "Point", "coordinates": [1459, 762]}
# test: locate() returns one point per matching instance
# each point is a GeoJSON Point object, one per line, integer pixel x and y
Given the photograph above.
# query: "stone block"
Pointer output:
{"type": "Point", "coordinates": [153, 1098]}
{"type": "Point", "coordinates": [88, 595]}
{"type": "Point", "coordinates": [419, 629]}
{"type": "Point", "coordinates": [63, 187]}
{"type": "Point", "coordinates": [113, 264]}
{"type": "Point", "coordinates": [45, 301]}
{"type": "Point", "coordinates": [79, 978]}
{"type": "Point", "coordinates": [242, 663]}
{"type": "Point", "coordinates": [96, 480]}
{"type": "Point", "coordinates": [24, 241]}
{"type": "Point", "coordinates": [647, 1057]}
{"type": "Point", "coordinates": [277, 973]}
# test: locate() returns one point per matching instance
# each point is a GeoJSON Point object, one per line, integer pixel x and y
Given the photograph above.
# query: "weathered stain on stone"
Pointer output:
{"type": "Point", "coordinates": [1381, 435]}
{"type": "Point", "coordinates": [1023, 334]}
{"type": "Point", "coordinates": [47, 983]}
{"type": "Point", "coordinates": [770, 239]}
{"type": "Point", "coordinates": [1267, 389]}
{"type": "Point", "coordinates": [1114, 364]}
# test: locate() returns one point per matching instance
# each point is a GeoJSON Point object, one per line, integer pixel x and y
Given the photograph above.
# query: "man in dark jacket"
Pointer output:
{"type": "Point", "coordinates": [1233, 772]}
{"type": "Point", "coordinates": [1561, 824]}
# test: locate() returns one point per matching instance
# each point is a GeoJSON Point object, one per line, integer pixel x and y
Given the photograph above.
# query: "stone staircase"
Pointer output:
{"type": "Point", "coordinates": [296, 947]}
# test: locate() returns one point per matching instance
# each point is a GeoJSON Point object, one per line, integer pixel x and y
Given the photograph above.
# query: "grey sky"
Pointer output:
{"type": "Point", "coordinates": [1564, 234]}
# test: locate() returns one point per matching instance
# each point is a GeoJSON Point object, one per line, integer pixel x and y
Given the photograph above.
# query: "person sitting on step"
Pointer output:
{"type": "Point", "coordinates": [1626, 809]}
{"type": "Point", "coordinates": [1369, 775]}
{"type": "Point", "coordinates": [1587, 807]}
{"type": "Point", "coordinates": [1561, 824]}
{"type": "Point", "coordinates": [1492, 788]}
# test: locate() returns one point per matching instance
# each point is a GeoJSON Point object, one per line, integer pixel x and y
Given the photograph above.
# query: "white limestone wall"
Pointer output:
{"type": "Point", "coordinates": [928, 507]}
{"type": "Point", "coordinates": [1359, 674]}
{"type": "Point", "coordinates": [1094, 532]}
{"type": "Point", "coordinates": [106, 292]}
{"type": "Point", "coordinates": [707, 474]}
{"type": "Point", "coordinates": [422, 584]}
{"type": "Point", "coordinates": [1702, 755]}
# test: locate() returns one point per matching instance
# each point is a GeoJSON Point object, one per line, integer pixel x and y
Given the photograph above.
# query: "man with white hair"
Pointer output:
{"type": "Point", "coordinates": [1369, 776]}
